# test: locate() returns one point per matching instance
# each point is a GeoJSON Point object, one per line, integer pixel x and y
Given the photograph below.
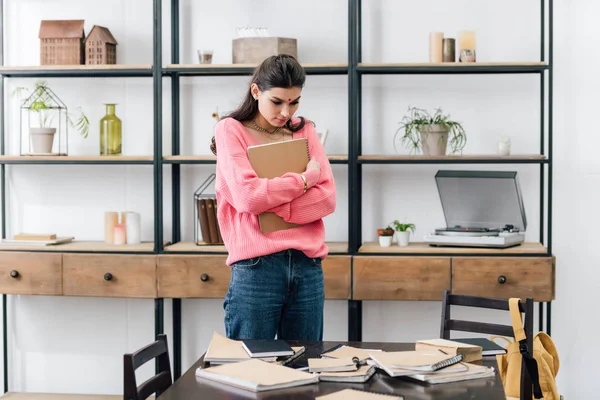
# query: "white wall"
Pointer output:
{"type": "Point", "coordinates": [76, 345]}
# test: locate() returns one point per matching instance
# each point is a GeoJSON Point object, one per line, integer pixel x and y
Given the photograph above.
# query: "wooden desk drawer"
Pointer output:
{"type": "Point", "coordinates": [32, 273]}
{"type": "Point", "coordinates": [106, 275]}
{"type": "Point", "coordinates": [337, 272]}
{"type": "Point", "coordinates": [504, 277]}
{"type": "Point", "coordinates": [193, 276]}
{"type": "Point", "coordinates": [400, 278]}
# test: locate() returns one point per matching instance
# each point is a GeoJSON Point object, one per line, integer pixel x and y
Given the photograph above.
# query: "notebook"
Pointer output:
{"type": "Point", "coordinates": [333, 364]}
{"type": "Point", "coordinates": [358, 394]}
{"type": "Point", "coordinates": [267, 348]}
{"type": "Point", "coordinates": [257, 375]}
{"type": "Point", "coordinates": [489, 348]}
{"type": "Point", "coordinates": [446, 376]}
{"type": "Point", "coordinates": [469, 352]}
{"type": "Point", "coordinates": [223, 350]}
{"type": "Point", "coordinates": [416, 360]}
{"type": "Point", "coordinates": [361, 375]}
{"type": "Point", "coordinates": [273, 160]}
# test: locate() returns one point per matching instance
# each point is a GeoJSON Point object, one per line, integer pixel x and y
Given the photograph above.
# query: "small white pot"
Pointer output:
{"type": "Point", "coordinates": [403, 238]}
{"type": "Point", "coordinates": [42, 139]}
{"type": "Point", "coordinates": [385, 241]}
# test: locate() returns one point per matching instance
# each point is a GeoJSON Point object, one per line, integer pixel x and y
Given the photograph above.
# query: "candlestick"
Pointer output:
{"type": "Point", "coordinates": [133, 228]}
{"type": "Point", "coordinates": [111, 218]}
{"type": "Point", "coordinates": [448, 51]}
{"type": "Point", "coordinates": [120, 235]}
{"type": "Point", "coordinates": [435, 47]}
{"type": "Point", "coordinates": [466, 41]}
{"type": "Point", "coordinates": [123, 219]}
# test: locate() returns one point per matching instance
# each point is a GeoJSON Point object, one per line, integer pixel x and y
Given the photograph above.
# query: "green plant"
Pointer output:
{"type": "Point", "coordinates": [398, 227]}
{"type": "Point", "coordinates": [418, 118]}
{"type": "Point", "coordinates": [41, 102]}
{"type": "Point", "coordinates": [387, 231]}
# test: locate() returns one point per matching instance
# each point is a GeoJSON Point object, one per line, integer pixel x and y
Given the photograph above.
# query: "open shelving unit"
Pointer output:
{"type": "Point", "coordinates": [354, 69]}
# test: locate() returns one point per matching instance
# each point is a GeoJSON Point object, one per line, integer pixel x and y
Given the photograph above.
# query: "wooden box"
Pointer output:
{"type": "Point", "coordinates": [254, 50]}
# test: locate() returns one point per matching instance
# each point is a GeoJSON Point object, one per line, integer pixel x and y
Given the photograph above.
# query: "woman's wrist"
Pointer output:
{"type": "Point", "coordinates": [305, 182]}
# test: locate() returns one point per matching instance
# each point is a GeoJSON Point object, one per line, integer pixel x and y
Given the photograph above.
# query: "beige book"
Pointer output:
{"type": "Point", "coordinates": [361, 375]}
{"type": "Point", "coordinates": [332, 364]}
{"type": "Point", "coordinates": [349, 351]}
{"type": "Point", "coordinates": [447, 375]}
{"type": "Point", "coordinates": [387, 360]}
{"type": "Point", "coordinates": [417, 361]}
{"type": "Point", "coordinates": [469, 352]}
{"type": "Point", "coordinates": [257, 375]}
{"type": "Point", "coordinates": [357, 394]}
{"type": "Point", "coordinates": [272, 160]}
{"type": "Point", "coordinates": [34, 236]}
{"type": "Point", "coordinates": [223, 350]}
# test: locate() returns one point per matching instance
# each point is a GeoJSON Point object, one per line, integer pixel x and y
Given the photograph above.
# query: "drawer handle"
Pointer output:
{"type": "Point", "coordinates": [108, 276]}
{"type": "Point", "coordinates": [501, 279]}
{"type": "Point", "coordinates": [204, 277]}
{"type": "Point", "coordinates": [14, 274]}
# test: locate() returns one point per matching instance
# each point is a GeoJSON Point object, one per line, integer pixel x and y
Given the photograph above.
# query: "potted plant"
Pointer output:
{"type": "Point", "coordinates": [431, 133]}
{"type": "Point", "coordinates": [385, 236]}
{"type": "Point", "coordinates": [403, 232]}
{"type": "Point", "coordinates": [43, 103]}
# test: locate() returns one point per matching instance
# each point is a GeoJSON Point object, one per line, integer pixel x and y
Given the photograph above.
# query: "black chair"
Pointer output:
{"type": "Point", "coordinates": [449, 324]}
{"type": "Point", "coordinates": [155, 385]}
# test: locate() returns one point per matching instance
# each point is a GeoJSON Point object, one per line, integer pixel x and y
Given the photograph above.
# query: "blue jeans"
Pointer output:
{"type": "Point", "coordinates": [281, 293]}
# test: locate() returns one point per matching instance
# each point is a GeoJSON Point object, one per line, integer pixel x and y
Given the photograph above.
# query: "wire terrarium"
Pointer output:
{"type": "Point", "coordinates": [44, 122]}
{"type": "Point", "coordinates": [206, 225]}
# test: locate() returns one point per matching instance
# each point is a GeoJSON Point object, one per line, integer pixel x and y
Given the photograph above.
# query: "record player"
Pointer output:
{"type": "Point", "coordinates": [481, 208]}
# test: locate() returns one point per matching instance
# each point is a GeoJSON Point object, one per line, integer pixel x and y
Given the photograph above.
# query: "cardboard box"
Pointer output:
{"type": "Point", "coordinates": [254, 50]}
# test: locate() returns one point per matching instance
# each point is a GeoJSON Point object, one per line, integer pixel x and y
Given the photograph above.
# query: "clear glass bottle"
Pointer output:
{"type": "Point", "coordinates": [110, 133]}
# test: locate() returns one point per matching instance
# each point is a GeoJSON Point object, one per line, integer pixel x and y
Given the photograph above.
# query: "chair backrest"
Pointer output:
{"type": "Point", "coordinates": [156, 384]}
{"type": "Point", "coordinates": [449, 324]}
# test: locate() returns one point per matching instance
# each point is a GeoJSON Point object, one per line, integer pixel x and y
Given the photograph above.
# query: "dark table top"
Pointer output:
{"type": "Point", "coordinates": [189, 387]}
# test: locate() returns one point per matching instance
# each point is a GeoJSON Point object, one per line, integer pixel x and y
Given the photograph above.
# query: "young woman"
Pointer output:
{"type": "Point", "coordinates": [276, 285]}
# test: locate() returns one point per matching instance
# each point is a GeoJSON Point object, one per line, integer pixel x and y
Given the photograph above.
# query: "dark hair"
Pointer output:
{"type": "Point", "coordinates": [281, 71]}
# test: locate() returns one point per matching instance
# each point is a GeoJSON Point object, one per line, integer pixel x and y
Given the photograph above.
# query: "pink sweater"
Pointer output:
{"type": "Point", "coordinates": [241, 196]}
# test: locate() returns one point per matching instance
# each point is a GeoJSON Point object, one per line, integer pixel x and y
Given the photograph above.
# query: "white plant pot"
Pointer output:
{"type": "Point", "coordinates": [385, 241]}
{"type": "Point", "coordinates": [403, 238]}
{"type": "Point", "coordinates": [42, 139]}
{"type": "Point", "coordinates": [434, 140]}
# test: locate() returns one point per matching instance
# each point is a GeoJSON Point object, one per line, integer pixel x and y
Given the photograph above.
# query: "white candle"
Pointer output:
{"type": "Point", "coordinates": [123, 219]}
{"type": "Point", "coordinates": [435, 47]}
{"type": "Point", "coordinates": [133, 228]}
{"type": "Point", "coordinates": [120, 235]}
{"type": "Point", "coordinates": [111, 219]}
{"type": "Point", "coordinates": [466, 41]}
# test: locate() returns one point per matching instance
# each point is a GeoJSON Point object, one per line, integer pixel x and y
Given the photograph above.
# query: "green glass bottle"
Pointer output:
{"type": "Point", "coordinates": [110, 133]}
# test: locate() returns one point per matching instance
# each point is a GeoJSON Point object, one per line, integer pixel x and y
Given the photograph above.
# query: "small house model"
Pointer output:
{"type": "Point", "coordinates": [100, 46]}
{"type": "Point", "coordinates": [61, 42]}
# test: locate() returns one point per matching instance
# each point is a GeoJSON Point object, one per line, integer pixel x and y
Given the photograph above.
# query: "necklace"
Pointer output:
{"type": "Point", "coordinates": [261, 129]}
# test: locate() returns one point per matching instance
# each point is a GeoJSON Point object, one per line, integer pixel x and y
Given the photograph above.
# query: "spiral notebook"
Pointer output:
{"type": "Point", "coordinates": [273, 160]}
{"type": "Point", "coordinates": [416, 360]}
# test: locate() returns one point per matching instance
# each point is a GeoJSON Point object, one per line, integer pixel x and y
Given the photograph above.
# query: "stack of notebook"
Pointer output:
{"type": "Point", "coordinates": [222, 350]}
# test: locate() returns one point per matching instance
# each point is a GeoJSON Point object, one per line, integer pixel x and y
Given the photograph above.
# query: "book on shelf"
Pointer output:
{"type": "Point", "coordinates": [359, 394]}
{"type": "Point", "coordinates": [488, 347]}
{"type": "Point", "coordinates": [257, 375]}
{"type": "Point", "coordinates": [267, 348]}
{"type": "Point", "coordinates": [469, 352]}
{"type": "Point", "coordinates": [272, 160]}
{"type": "Point", "coordinates": [207, 219]}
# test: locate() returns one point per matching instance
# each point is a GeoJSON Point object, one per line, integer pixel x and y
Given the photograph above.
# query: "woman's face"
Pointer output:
{"type": "Point", "coordinates": [276, 105]}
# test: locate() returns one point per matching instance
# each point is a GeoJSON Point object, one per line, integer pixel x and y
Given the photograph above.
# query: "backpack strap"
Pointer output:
{"type": "Point", "coordinates": [519, 331]}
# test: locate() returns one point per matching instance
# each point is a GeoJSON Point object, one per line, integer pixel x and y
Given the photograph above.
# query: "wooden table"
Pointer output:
{"type": "Point", "coordinates": [189, 387]}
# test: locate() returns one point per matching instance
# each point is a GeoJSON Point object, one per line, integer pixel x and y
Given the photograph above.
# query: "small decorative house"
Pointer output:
{"type": "Point", "coordinates": [61, 42]}
{"type": "Point", "coordinates": [100, 46]}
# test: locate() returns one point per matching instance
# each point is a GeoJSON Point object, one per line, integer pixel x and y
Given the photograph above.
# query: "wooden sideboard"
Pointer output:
{"type": "Point", "coordinates": [359, 277]}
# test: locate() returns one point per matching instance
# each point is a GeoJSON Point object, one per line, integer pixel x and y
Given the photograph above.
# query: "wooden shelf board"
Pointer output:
{"type": "Point", "coordinates": [458, 64]}
{"type": "Point", "coordinates": [76, 158]}
{"type": "Point", "coordinates": [102, 67]}
{"type": "Point", "coordinates": [84, 246]}
{"type": "Point", "coordinates": [466, 157]}
{"type": "Point", "coordinates": [421, 247]}
{"type": "Point", "coordinates": [243, 66]}
{"type": "Point", "coordinates": [191, 247]}
{"type": "Point", "coordinates": [331, 157]}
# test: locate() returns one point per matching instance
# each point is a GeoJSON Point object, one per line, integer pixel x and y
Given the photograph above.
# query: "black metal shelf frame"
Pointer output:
{"type": "Point", "coordinates": [354, 71]}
